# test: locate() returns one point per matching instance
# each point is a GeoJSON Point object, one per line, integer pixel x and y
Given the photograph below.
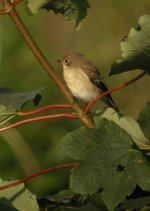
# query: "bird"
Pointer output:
{"type": "Point", "coordinates": [83, 79]}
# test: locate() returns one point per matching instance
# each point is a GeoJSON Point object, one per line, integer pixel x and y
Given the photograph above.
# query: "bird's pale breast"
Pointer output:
{"type": "Point", "coordinates": [79, 84]}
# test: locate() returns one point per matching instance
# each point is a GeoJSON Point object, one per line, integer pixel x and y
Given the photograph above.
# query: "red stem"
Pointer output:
{"type": "Point", "coordinates": [90, 104]}
{"type": "Point", "coordinates": [68, 165]}
{"type": "Point", "coordinates": [67, 106]}
{"type": "Point", "coordinates": [71, 116]}
{"type": "Point", "coordinates": [44, 109]}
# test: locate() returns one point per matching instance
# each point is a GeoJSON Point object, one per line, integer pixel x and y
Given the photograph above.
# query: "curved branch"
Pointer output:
{"type": "Point", "coordinates": [45, 64]}
{"type": "Point", "coordinates": [68, 165]}
{"type": "Point", "coordinates": [43, 109]}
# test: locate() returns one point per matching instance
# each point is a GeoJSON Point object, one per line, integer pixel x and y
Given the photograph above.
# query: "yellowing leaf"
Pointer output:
{"type": "Point", "coordinates": [20, 197]}
{"type": "Point", "coordinates": [130, 126]}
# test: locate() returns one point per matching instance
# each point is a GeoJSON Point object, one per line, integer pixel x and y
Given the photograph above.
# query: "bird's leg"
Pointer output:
{"type": "Point", "coordinates": [74, 100]}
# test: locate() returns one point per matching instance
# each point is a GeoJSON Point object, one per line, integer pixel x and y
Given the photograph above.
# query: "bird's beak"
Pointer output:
{"type": "Point", "coordinates": [58, 60]}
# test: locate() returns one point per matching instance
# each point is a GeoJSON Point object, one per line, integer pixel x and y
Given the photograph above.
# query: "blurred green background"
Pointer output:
{"type": "Point", "coordinates": [34, 146]}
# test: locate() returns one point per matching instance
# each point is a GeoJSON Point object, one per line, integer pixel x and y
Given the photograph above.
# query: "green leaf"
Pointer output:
{"type": "Point", "coordinates": [88, 176]}
{"type": "Point", "coordinates": [120, 184]}
{"type": "Point", "coordinates": [129, 125]}
{"type": "Point", "coordinates": [108, 162]}
{"type": "Point", "coordinates": [144, 120]}
{"type": "Point", "coordinates": [21, 198]}
{"type": "Point", "coordinates": [72, 10]}
{"type": "Point", "coordinates": [135, 48]}
{"type": "Point", "coordinates": [11, 102]}
{"type": "Point", "coordinates": [80, 143]}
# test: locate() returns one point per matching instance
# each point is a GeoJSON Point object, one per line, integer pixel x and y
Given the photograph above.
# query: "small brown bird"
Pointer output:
{"type": "Point", "coordinates": [83, 79]}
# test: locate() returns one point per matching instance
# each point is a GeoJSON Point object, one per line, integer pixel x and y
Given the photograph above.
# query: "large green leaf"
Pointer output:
{"type": "Point", "coordinates": [18, 197]}
{"type": "Point", "coordinates": [72, 10]}
{"type": "Point", "coordinates": [135, 48]}
{"type": "Point", "coordinates": [123, 182]}
{"type": "Point", "coordinates": [108, 162]}
{"type": "Point", "coordinates": [79, 143]}
{"type": "Point", "coordinates": [144, 120]}
{"type": "Point", "coordinates": [12, 102]}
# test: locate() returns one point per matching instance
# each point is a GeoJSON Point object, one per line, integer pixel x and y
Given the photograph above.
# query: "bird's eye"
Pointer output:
{"type": "Point", "coordinates": [66, 61]}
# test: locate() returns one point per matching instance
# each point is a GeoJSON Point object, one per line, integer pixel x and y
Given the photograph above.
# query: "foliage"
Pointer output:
{"type": "Point", "coordinates": [130, 126]}
{"type": "Point", "coordinates": [72, 10]}
{"type": "Point", "coordinates": [109, 162]}
{"type": "Point", "coordinates": [112, 166]}
{"type": "Point", "coordinates": [135, 48]}
{"type": "Point", "coordinates": [17, 198]}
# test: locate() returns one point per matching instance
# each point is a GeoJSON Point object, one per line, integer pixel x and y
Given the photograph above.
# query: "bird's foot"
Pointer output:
{"type": "Point", "coordinates": [74, 100]}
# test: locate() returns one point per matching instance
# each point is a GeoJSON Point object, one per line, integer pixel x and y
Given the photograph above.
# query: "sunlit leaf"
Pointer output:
{"type": "Point", "coordinates": [129, 125]}
{"type": "Point", "coordinates": [20, 197]}
{"type": "Point", "coordinates": [135, 48]}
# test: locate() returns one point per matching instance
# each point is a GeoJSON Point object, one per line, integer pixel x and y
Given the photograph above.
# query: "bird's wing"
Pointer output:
{"type": "Point", "coordinates": [93, 74]}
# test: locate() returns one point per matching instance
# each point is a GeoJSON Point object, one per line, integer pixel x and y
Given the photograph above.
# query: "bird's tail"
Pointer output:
{"type": "Point", "coordinates": [110, 102]}
{"type": "Point", "coordinates": [108, 99]}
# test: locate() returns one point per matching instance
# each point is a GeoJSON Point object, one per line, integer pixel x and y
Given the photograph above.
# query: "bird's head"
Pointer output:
{"type": "Point", "coordinates": [71, 60]}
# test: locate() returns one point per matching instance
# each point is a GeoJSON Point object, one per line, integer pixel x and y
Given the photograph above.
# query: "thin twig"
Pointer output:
{"type": "Point", "coordinates": [46, 66]}
{"type": "Point", "coordinates": [43, 109]}
{"type": "Point", "coordinates": [68, 165]}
